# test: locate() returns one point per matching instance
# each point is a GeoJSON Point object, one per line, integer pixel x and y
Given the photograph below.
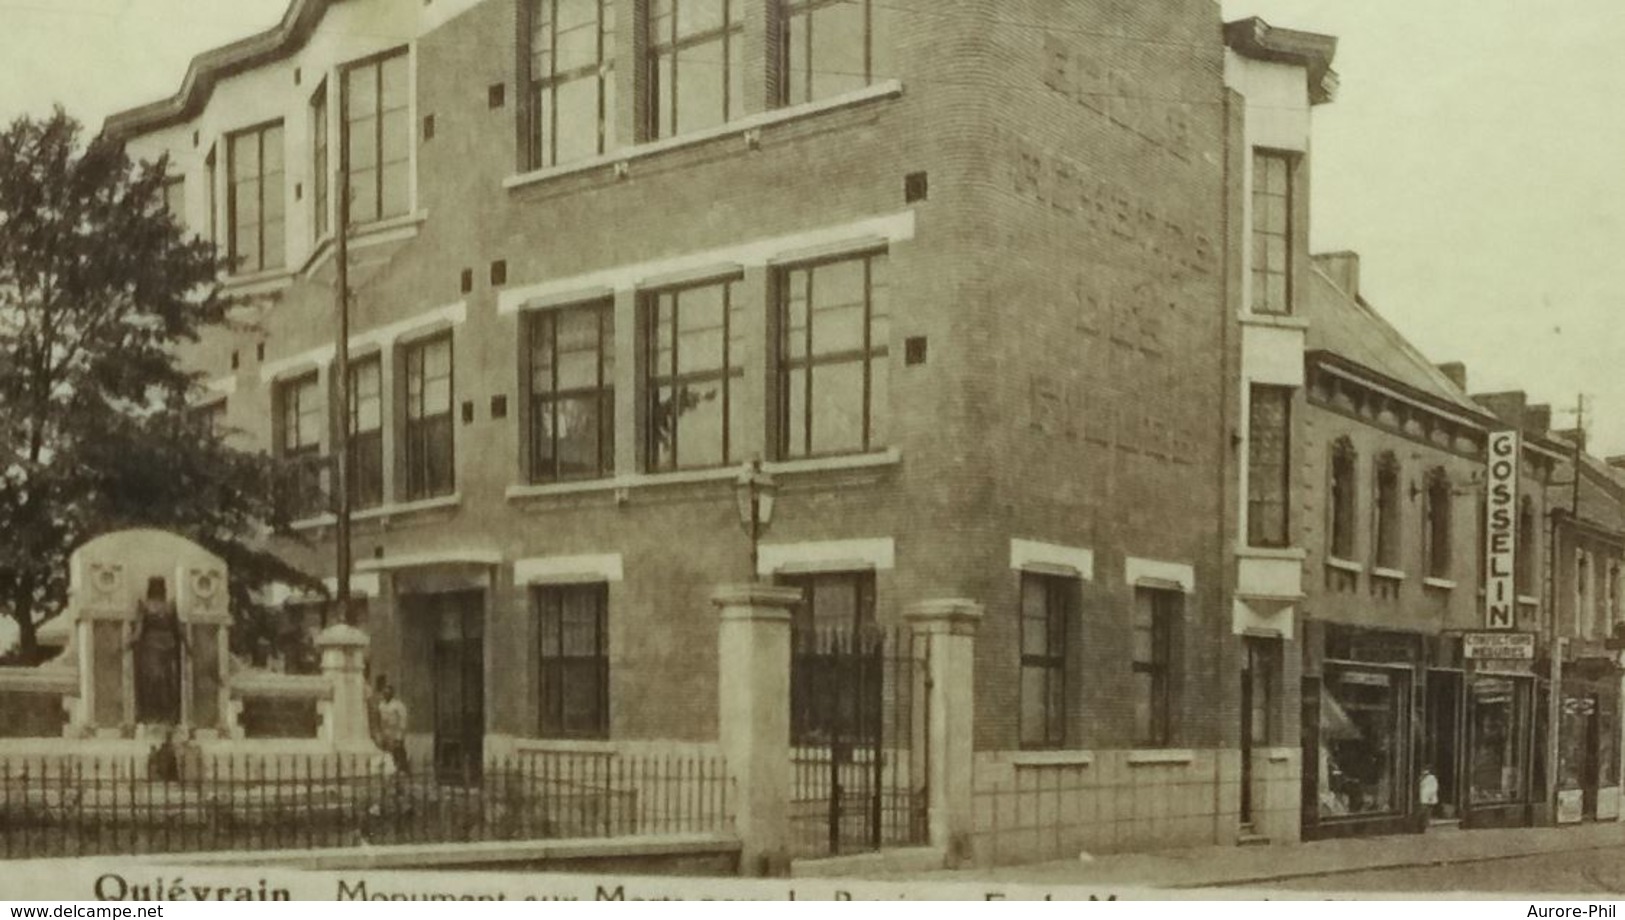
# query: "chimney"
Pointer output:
{"type": "Point", "coordinates": [1575, 436]}
{"type": "Point", "coordinates": [1343, 268]}
{"type": "Point", "coordinates": [1508, 406]}
{"type": "Point", "coordinates": [1538, 418]}
{"type": "Point", "coordinates": [1457, 372]}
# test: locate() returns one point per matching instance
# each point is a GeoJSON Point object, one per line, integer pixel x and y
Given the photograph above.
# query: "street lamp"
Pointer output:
{"type": "Point", "coordinates": [754, 491]}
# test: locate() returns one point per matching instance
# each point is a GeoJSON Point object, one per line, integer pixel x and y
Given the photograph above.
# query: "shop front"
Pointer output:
{"type": "Point", "coordinates": [1588, 742]}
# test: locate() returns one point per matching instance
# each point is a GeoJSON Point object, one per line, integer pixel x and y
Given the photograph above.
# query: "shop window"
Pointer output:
{"type": "Point", "coordinates": [574, 660]}
{"type": "Point", "coordinates": [828, 47]}
{"type": "Point", "coordinates": [1500, 735]}
{"type": "Point", "coordinates": [366, 433]}
{"type": "Point", "coordinates": [1386, 510]}
{"type": "Point", "coordinates": [1437, 525]}
{"type": "Point", "coordinates": [1269, 465]}
{"type": "Point", "coordinates": [1046, 609]}
{"type": "Point", "coordinates": [296, 440]}
{"type": "Point", "coordinates": [695, 69]}
{"type": "Point", "coordinates": [572, 392]}
{"type": "Point", "coordinates": [254, 204]}
{"type": "Point", "coordinates": [1343, 499]}
{"type": "Point", "coordinates": [429, 436]}
{"type": "Point", "coordinates": [1362, 734]}
{"type": "Point", "coordinates": [377, 99]}
{"type": "Point", "coordinates": [572, 80]}
{"type": "Point", "coordinates": [1272, 232]}
{"type": "Point", "coordinates": [693, 368]}
{"type": "Point", "coordinates": [834, 326]}
{"type": "Point", "coordinates": [1157, 615]}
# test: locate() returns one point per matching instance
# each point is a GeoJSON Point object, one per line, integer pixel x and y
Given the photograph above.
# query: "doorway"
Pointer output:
{"type": "Point", "coordinates": [1259, 669]}
{"type": "Point", "coordinates": [454, 625]}
{"type": "Point", "coordinates": [1442, 740]}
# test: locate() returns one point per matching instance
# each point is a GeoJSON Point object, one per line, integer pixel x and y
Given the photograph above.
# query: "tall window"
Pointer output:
{"type": "Point", "coordinates": [297, 439]}
{"type": "Point", "coordinates": [1261, 676]}
{"type": "Point", "coordinates": [572, 392]}
{"type": "Point", "coordinates": [834, 322]}
{"type": "Point", "coordinates": [1269, 466]}
{"type": "Point", "coordinates": [1436, 525]}
{"type": "Point", "coordinates": [175, 199]}
{"type": "Point", "coordinates": [254, 199]}
{"type": "Point", "coordinates": [319, 169]}
{"type": "Point", "coordinates": [572, 80]}
{"type": "Point", "coordinates": [1582, 594]}
{"type": "Point", "coordinates": [837, 674]}
{"type": "Point", "coordinates": [428, 455]}
{"type": "Point", "coordinates": [377, 122]}
{"type": "Point", "coordinates": [828, 47]}
{"type": "Point", "coordinates": [1386, 509]}
{"type": "Point", "coordinates": [1156, 621]}
{"type": "Point", "coordinates": [1272, 232]}
{"type": "Point", "coordinates": [1525, 548]}
{"type": "Point", "coordinates": [213, 176]}
{"type": "Point", "coordinates": [1344, 499]}
{"type": "Point", "coordinates": [695, 69]}
{"type": "Point", "coordinates": [366, 433]}
{"type": "Point", "coordinates": [1046, 609]}
{"type": "Point", "coordinates": [574, 660]}
{"type": "Point", "coordinates": [695, 346]}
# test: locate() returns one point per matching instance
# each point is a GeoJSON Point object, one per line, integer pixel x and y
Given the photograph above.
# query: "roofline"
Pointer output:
{"type": "Point", "coordinates": [208, 68]}
{"type": "Point", "coordinates": [1254, 38]}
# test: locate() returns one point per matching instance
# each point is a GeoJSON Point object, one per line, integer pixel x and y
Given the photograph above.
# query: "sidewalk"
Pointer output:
{"type": "Point", "coordinates": [1216, 866]}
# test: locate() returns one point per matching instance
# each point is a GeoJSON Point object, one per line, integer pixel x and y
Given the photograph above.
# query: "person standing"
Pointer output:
{"type": "Point", "coordinates": [392, 728]}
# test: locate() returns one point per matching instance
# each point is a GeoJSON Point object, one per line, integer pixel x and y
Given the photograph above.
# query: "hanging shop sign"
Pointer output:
{"type": "Point", "coordinates": [1501, 646]}
{"type": "Point", "coordinates": [1501, 532]}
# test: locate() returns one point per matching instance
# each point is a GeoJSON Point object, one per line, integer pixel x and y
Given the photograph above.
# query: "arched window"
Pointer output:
{"type": "Point", "coordinates": [1344, 498]}
{"type": "Point", "coordinates": [1436, 524]}
{"type": "Point", "coordinates": [1385, 525]}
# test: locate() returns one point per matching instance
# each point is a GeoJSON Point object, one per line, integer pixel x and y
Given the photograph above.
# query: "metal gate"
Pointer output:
{"type": "Point", "coordinates": [858, 741]}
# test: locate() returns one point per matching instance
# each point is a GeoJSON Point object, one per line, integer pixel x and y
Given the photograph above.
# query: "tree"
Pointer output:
{"type": "Point", "coordinates": [99, 287]}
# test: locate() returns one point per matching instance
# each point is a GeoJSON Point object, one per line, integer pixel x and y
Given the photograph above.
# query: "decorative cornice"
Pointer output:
{"type": "Point", "coordinates": [208, 68]}
{"type": "Point", "coordinates": [1254, 38]}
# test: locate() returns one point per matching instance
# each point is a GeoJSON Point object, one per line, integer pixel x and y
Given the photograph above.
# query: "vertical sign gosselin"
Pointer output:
{"type": "Point", "coordinates": [1500, 592]}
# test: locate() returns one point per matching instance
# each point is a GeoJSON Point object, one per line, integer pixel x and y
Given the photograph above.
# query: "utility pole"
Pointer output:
{"type": "Point", "coordinates": [343, 471]}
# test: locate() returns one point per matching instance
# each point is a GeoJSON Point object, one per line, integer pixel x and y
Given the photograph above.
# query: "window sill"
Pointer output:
{"type": "Point", "coordinates": [1296, 553]}
{"type": "Point", "coordinates": [1053, 759]}
{"type": "Point", "coordinates": [258, 282]}
{"type": "Point", "coordinates": [1442, 584]}
{"type": "Point", "coordinates": [883, 458]}
{"type": "Point", "coordinates": [1525, 600]}
{"type": "Point", "coordinates": [1344, 564]}
{"type": "Point", "coordinates": [383, 512]}
{"type": "Point", "coordinates": [620, 159]}
{"type": "Point", "coordinates": [1278, 320]}
{"type": "Point", "coordinates": [1390, 574]}
{"type": "Point", "coordinates": [602, 746]}
{"type": "Point", "coordinates": [1161, 756]}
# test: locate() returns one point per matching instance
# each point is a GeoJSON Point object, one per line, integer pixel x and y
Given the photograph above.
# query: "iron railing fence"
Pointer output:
{"type": "Point", "coordinates": [63, 807]}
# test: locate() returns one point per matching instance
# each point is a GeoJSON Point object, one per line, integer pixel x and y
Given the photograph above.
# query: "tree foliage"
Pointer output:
{"type": "Point", "coordinates": [99, 288]}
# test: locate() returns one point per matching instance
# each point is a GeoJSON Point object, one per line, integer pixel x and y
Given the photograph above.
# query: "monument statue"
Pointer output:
{"type": "Point", "coordinates": [160, 648]}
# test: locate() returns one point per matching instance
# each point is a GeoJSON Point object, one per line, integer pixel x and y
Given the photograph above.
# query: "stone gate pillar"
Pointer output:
{"type": "Point", "coordinates": [753, 710]}
{"type": "Point", "coordinates": [948, 627]}
{"type": "Point", "coordinates": [344, 660]}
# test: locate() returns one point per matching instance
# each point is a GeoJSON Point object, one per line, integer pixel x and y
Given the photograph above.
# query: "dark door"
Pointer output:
{"type": "Point", "coordinates": [458, 620]}
{"type": "Point", "coordinates": [1442, 739]}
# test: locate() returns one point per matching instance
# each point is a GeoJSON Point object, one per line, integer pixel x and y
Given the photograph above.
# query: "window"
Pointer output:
{"type": "Point", "coordinates": [695, 343]}
{"type": "Point", "coordinates": [379, 134]}
{"type": "Point", "coordinates": [210, 193]}
{"type": "Point", "coordinates": [366, 433]}
{"type": "Point", "coordinates": [1364, 729]}
{"type": "Point", "coordinates": [827, 47]}
{"type": "Point", "coordinates": [574, 660]}
{"type": "Point", "coordinates": [319, 177]}
{"type": "Point", "coordinates": [834, 323]}
{"type": "Point", "coordinates": [174, 192]}
{"type": "Point", "coordinates": [572, 80]}
{"type": "Point", "coordinates": [1385, 528]}
{"type": "Point", "coordinates": [254, 199]}
{"type": "Point", "coordinates": [1524, 546]}
{"type": "Point", "coordinates": [1582, 594]}
{"type": "Point", "coordinates": [297, 439]}
{"type": "Point", "coordinates": [1269, 466]}
{"type": "Point", "coordinates": [1436, 525]}
{"type": "Point", "coordinates": [833, 601]}
{"type": "Point", "coordinates": [1156, 620]}
{"type": "Point", "coordinates": [572, 392]}
{"type": "Point", "coordinates": [1046, 609]}
{"type": "Point", "coordinates": [1499, 708]}
{"type": "Point", "coordinates": [1272, 232]}
{"type": "Point", "coordinates": [429, 444]}
{"type": "Point", "coordinates": [1343, 499]}
{"type": "Point", "coordinates": [1260, 676]}
{"type": "Point", "coordinates": [211, 418]}
{"type": "Point", "coordinates": [695, 68]}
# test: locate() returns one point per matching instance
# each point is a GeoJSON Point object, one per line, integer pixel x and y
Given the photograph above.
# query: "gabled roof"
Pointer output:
{"type": "Point", "coordinates": [1254, 38]}
{"type": "Point", "coordinates": [211, 66]}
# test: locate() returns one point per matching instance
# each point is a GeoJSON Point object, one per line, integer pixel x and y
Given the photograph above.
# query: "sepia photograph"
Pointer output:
{"type": "Point", "coordinates": [811, 449]}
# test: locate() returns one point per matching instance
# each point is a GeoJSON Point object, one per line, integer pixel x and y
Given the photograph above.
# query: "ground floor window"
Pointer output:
{"type": "Point", "coordinates": [1364, 724]}
{"type": "Point", "coordinates": [574, 655]}
{"type": "Point", "coordinates": [1500, 716]}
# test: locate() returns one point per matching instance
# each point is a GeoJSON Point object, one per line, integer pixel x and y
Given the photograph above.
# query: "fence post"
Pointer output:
{"type": "Point", "coordinates": [344, 651]}
{"type": "Point", "coordinates": [948, 628]}
{"type": "Point", "coordinates": [753, 711]}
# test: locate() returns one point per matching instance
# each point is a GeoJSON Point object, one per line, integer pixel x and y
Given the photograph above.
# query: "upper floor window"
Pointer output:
{"type": "Point", "coordinates": [573, 622]}
{"type": "Point", "coordinates": [1157, 616]}
{"type": "Point", "coordinates": [1046, 609]}
{"type": "Point", "coordinates": [572, 80]}
{"type": "Point", "coordinates": [1344, 498]}
{"type": "Point", "coordinates": [695, 70]}
{"type": "Point", "coordinates": [1269, 467]}
{"type": "Point", "coordinates": [319, 178]}
{"type": "Point", "coordinates": [834, 322]}
{"type": "Point", "coordinates": [1524, 547]}
{"type": "Point", "coordinates": [1582, 594]}
{"type": "Point", "coordinates": [212, 175]}
{"type": "Point", "coordinates": [1437, 500]}
{"type": "Point", "coordinates": [1386, 510]}
{"type": "Point", "coordinates": [378, 128]}
{"type": "Point", "coordinates": [297, 440]}
{"type": "Point", "coordinates": [826, 48]}
{"type": "Point", "coordinates": [1272, 232]}
{"type": "Point", "coordinates": [695, 346]}
{"type": "Point", "coordinates": [254, 202]}
{"type": "Point", "coordinates": [572, 392]}
{"type": "Point", "coordinates": [367, 432]}
{"type": "Point", "coordinates": [428, 454]}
